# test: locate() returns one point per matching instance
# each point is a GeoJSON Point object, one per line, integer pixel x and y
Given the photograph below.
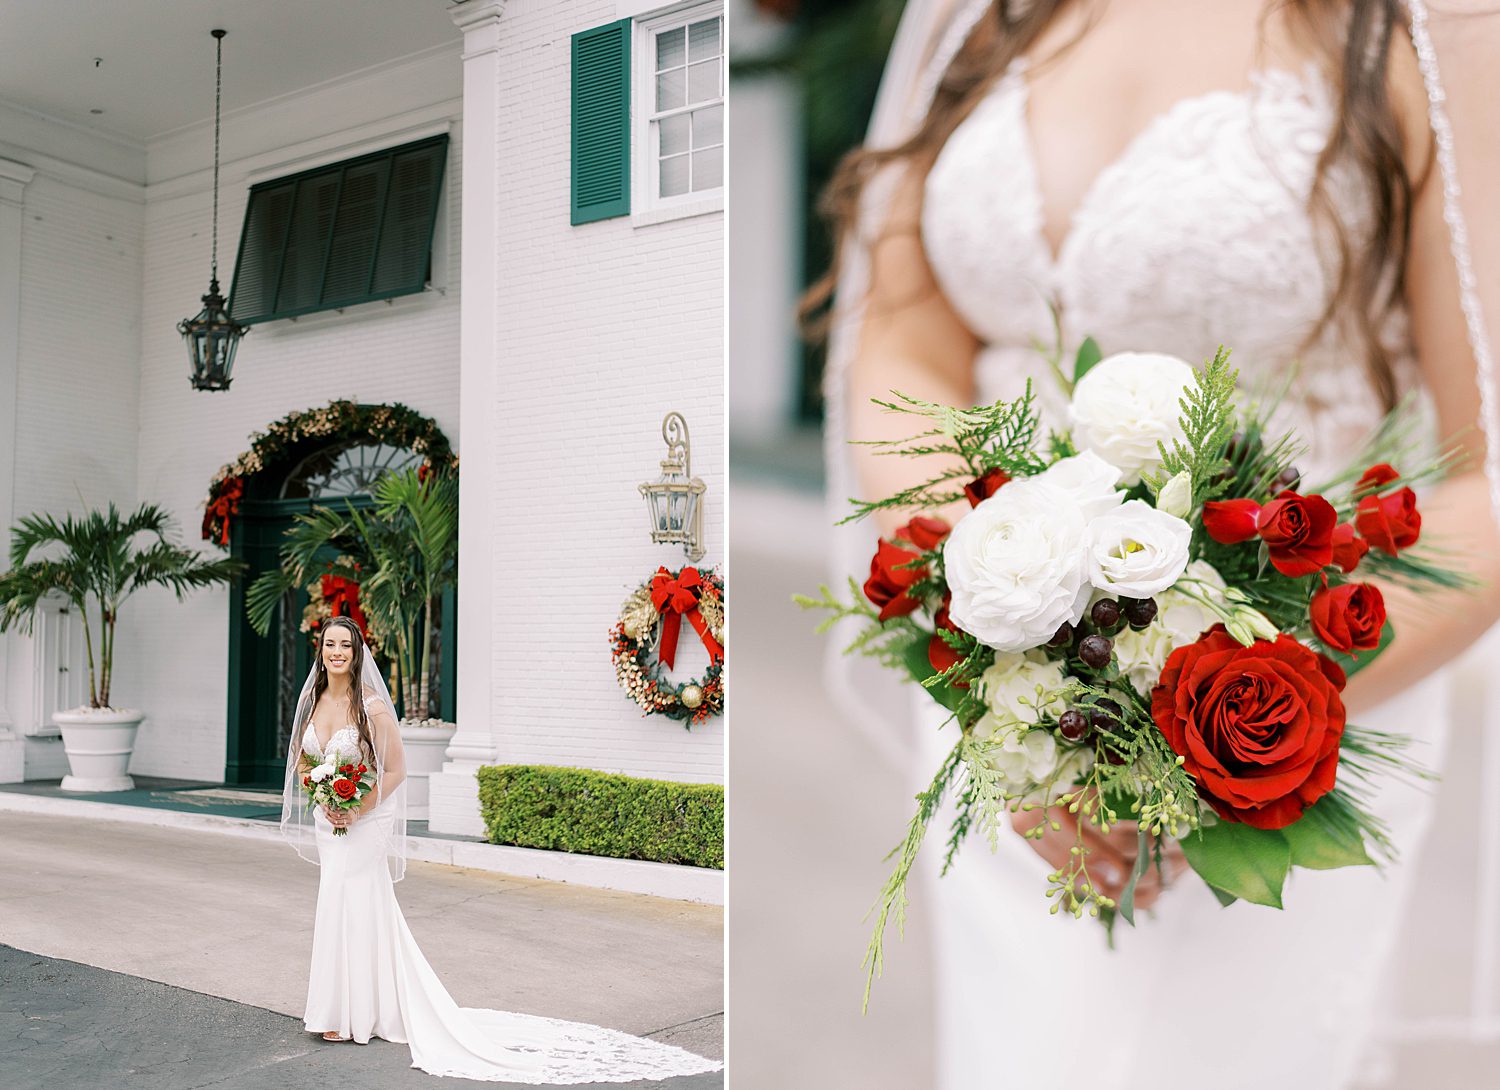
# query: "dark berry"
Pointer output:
{"type": "Point", "coordinates": [1095, 651]}
{"type": "Point", "coordinates": [1062, 637]}
{"type": "Point", "coordinates": [1290, 477]}
{"type": "Point", "coordinates": [1106, 615]}
{"type": "Point", "coordinates": [1140, 611]}
{"type": "Point", "coordinates": [1073, 725]}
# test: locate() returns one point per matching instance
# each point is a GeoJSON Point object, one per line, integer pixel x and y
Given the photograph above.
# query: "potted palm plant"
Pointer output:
{"type": "Point", "coordinates": [97, 561]}
{"type": "Point", "coordinates": [402, 555]}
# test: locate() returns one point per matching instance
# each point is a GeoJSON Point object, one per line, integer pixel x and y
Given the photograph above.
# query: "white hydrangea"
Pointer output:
{"type": "Point", "coordinates": [1021, 691]}
{"type": "Point", "coordinates": [1180, 620]}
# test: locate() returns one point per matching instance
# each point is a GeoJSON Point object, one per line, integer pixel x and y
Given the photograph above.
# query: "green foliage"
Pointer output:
{"type": "Point", "coordinates": [601, 813]}
{"type": "Point", "coordinates": [101, 563]}
{"type": "Point", "coordinates": [893, 900]}
{"type": "Point", "coordinates": [403, 556]}
{"type": "Point", "coordinates": [1088, 355]}
{"type": "Point", "coordinates": [972, 441]}
{"type": "Point", "coordinates": [1240, 860]}
{"type": "Point", "coordinates": [1323, 838]}
{"type": "Point", "coordinates": [1208, 425]}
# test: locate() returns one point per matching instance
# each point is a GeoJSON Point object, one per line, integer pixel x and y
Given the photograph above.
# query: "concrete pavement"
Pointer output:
{"type": "Point", "coordinates": [63, 1024]}
{"type": "Point", "coordinates": [231, 917]}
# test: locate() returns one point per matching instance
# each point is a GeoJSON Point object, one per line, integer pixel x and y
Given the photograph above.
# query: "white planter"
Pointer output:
{"type": "Point", "coordinates": [98, 742]}
{"type": "Point", "coordinates": [426, 748]}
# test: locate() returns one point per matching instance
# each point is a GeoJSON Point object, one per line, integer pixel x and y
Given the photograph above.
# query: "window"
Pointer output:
{"type": "Point", "coordinates": [679, 99]}
{"type": "Point", "coordinates": [342, 234]}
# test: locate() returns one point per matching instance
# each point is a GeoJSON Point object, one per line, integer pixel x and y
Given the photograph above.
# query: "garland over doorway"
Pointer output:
{"type": "Point", "coordinates": [393, 425]}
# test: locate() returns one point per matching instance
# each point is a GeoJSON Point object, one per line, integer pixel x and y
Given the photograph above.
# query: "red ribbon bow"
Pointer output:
{"type": "Point", "coordinates": [342, 596]}
{"type": "Point", "coordinates": [227, 504]}
{"type": "Point", "coordinates": [675, 599]}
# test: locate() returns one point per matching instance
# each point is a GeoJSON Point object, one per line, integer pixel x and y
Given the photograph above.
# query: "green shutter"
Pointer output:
{"type": "Point", "coordinates": [601, 122]}
{"type": "Point", "coordinates": [347, 233]}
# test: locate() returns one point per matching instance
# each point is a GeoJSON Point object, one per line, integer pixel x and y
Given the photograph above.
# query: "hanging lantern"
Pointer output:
{"type": "Point", "coordinates": [212, 336]}
{"type": "Point", "coordinates": [674, 502]}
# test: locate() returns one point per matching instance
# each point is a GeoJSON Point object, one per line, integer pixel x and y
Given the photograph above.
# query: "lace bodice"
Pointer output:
{"type": "Point", "coordinates": [1197, 234]}
{"type": "Point", "coordinates": [350, 734]}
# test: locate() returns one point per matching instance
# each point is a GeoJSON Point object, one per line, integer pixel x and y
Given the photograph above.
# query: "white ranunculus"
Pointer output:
{"type": "Point", "coordinates": [1016, 565]}
{"type": "Point", "coordinates": [1020, 691]}
{"type": "Point", "coordinates": [1126, 404]}
{"type": "Point", "coordinates": [1136, 550]}
{"type": "Point", "coordinates": [321, 773]}
{"type": "Point", "coordinates": [1087, 480]}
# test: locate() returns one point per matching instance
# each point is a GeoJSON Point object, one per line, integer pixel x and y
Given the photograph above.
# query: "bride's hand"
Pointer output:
{"type": "Point", "coordinates": [338, 818]}
{"type": "Point", "coordinates": [1111, 855]}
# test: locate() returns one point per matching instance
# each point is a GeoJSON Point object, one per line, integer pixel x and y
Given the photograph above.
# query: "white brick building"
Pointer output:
{"type": "Point", "coordinates": [547, 351]}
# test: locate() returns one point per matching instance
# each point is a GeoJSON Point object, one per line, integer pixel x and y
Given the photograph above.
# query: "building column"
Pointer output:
{"type": "Point", "coordinates": [454, 798]}
{"type": "Point", "coordinates": [13, 179]}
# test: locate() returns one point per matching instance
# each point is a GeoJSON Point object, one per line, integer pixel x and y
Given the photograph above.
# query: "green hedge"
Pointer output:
{"type": "Point", "coordinates": [600, 813]}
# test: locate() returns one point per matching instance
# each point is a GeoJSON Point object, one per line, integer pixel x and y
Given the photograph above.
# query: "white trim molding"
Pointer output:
{"type": "Point", "coordinates": [454, 792]}
{"type": "Point", "coordinates": [14, 178]}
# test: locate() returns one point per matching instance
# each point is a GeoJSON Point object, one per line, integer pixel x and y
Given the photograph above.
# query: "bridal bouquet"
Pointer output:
{"type": "Point", "coordinates": [341, 780]}
{"type": "Point", "coordinates": [1149, 618]}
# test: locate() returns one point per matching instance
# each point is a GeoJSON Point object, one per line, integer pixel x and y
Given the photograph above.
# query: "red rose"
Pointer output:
{"type": "Point", "coordinates": [1375, 478]}
{"type": "Point", "coordinates": [1390, 523]}
{"type": "Point", "coordinates": [1230, 521]}
{"type": "Point", "coordinates": [1299, 531]}
{"type": "Point", "coordinates": [1348, 550]}
{"type": "Point", "coordinates": [1258, 727]}
{"type": "Point", "coordinates": [888, 581]}
{"type": "Point", "coordinates": [345, 789]}
{"type": "Point", "coordinates": [925, 533]}
{"type": "Point", "coordinates": [361, 770]}
{"type": "Point", "coordinates": [982, 488]}
{"type": "Point", "coordinates": [1349, 618]}
{"type": "Point", "coordinates": [939, 654]}
{"type": "Point", "coordinates": [306, 781]}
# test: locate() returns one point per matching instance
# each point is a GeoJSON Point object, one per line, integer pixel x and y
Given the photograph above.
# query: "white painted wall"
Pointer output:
{"type": "Point", "coordinates": [601, 330]}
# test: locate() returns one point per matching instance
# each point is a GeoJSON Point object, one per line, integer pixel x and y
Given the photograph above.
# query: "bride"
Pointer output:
{"type": "Point", "coordinates": [367, 977]}
{"type": "Point", "coordinates": [1169, 176]}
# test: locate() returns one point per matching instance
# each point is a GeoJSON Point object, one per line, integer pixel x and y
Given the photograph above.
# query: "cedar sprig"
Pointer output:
{"type": "Point", "coordinates": [1207, 425]}
{"type": "Point", "coordinates": [893, 900]}
{"type": "Point", "coordinates": [972, 441]}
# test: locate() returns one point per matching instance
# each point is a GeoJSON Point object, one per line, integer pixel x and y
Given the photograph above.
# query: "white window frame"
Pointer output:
{"type": "Point", "coordinates": [646, 207]}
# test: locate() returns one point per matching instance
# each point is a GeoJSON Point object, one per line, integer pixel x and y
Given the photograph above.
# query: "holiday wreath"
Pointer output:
{"type": "Point", "coordinates": [393, 425]}
{"type": "Point", "coordinates": [651, 619]}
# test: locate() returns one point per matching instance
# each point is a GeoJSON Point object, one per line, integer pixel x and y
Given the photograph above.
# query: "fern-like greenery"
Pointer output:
{"type": "Point", "coordinates": [1208, 425]}
{"type": "Point", "coordinates": [974, 441]}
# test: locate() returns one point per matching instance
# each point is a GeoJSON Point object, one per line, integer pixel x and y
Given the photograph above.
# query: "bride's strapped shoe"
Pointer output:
{"type": "Point", "coordinates": [333, 1035]}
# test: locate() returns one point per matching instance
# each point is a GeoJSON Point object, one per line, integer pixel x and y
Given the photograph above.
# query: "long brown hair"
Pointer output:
{"type": "Point", "coordinates": [358, 716]}
{"type": "Point", "coordinates": [1353, 39]}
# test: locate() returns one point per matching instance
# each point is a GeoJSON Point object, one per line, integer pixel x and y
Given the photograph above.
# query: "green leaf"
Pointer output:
{"type": "Point", "coordinates": [1142, 861]}
{"type": "Point", "coordinates": [1241, 860]}
{"type": "Point", "coordinates": [1319, 843]}
{"type": "Point", "coordinates": [1356, 662]}
{"type": "Point", "coordinates": [914, 654]}
{"type": "Point", "coordinates": [1088, 355]}
{"type": "Point", "coordinates": [1225, 899]}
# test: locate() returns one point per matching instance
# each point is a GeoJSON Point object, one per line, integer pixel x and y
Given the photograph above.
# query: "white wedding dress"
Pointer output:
{"type": "Point", "coordinates": [1197, 235]}
{"type": "Point", "coordinates": [369, 979]}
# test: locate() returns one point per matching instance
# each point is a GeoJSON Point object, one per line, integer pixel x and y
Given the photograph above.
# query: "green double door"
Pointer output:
{"type": "Point", "coordinates": [265, 672]}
